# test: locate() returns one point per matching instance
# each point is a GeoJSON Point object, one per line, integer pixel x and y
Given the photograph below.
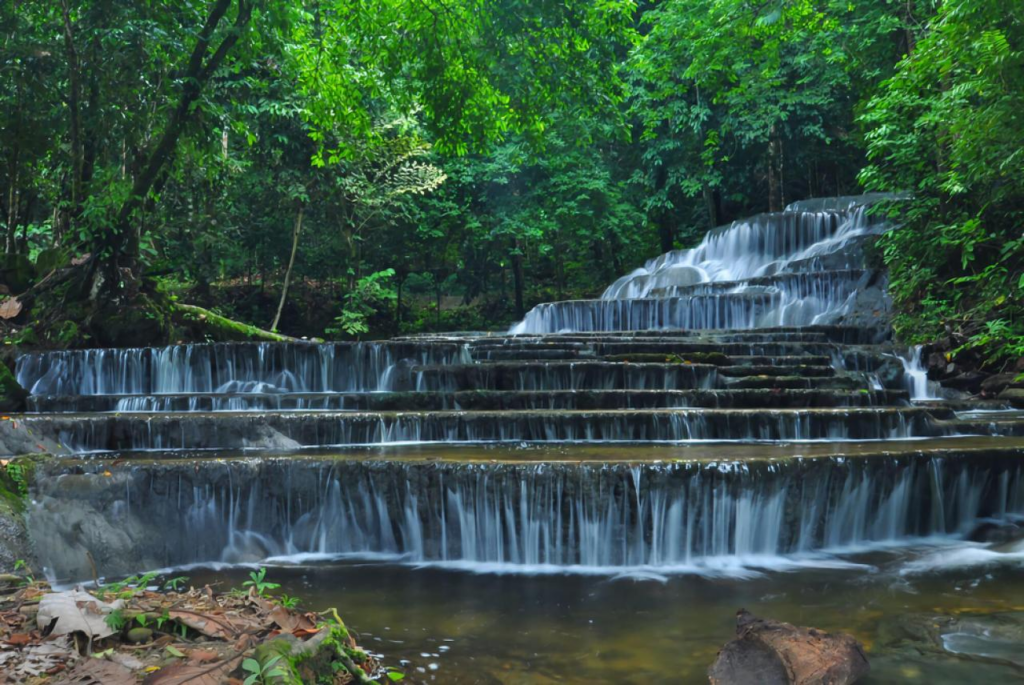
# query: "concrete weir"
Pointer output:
{"type": "Point", "coordinates": [736, 401]}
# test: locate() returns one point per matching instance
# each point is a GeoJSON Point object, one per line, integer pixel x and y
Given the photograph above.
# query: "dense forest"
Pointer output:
{"type": "Point", "coordinates": [336, 169]}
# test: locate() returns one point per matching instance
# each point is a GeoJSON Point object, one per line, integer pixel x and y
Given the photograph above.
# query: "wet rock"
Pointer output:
{"type": "Point", "coordinates": [998, 532]}
{"type": "Point", "coordinates": [970, 638]}
{"type": "Point", "coordinates": [968, 381]}
{"type": "Point", "coordinates": [1014, 396]}
{"type": "Point", "coordinates": [890, 372]}
{"type": "Point", "coordinates": [993, 385]}
{"type": "Point", "coordinates": [768, 652]}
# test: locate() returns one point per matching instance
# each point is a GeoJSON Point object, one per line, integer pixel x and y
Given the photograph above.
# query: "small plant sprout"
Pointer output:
{"type": "Point", "coordinates": [176, 584]}
{"type": "Point", "coordinates": [259, 582]}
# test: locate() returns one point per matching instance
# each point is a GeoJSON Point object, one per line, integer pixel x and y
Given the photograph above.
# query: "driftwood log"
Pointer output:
{"type": "Point", "coordinates": [767, 652]}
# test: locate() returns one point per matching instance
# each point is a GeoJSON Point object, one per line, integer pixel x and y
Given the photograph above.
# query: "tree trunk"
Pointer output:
{"type": "Point", "coordinates": [124, 241]}
{"type": "Point", "coordinates": [438, 282]}
{"type": "Point", "coordinates": [74, 110]}
{"type": "Point", "coordinates": [663, 219]}
{"type": "Point", "coordinates": [517, 275]}
{"type": "Point", "coordinates": [353, 256]}
{"type": "Point", "coordinates": [398, 305]}
{"type": "Point", "coordinates": [288, 272]}
{"type": "Point", "coordinates": [712, 204]}
{"type": "Point", "coordinates": [666, 230]}
{"type": "Point", "coordinates": [12, 202]}
{"type": "Point", "coordinates": [774, 171]}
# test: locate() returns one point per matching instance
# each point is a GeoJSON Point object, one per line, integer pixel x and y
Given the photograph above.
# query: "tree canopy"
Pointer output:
{"type": "Point", "coordinates": [353, 169]}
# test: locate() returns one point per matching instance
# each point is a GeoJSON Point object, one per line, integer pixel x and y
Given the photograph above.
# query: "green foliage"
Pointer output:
{"type": "Point", "coordinates": [176, 584]}
{"type": "Point", "coordinates": [116, 620]}
{"type": "Point", "coordinates": [125, 589]}
{"type": "Point", "coordinates": [22, 565]}
{"type": "Point", "coordinates": [18, 474]}
{"type": "Point", "coordinates": [458, 162]}
{"type": "Point", "coordinates": [257, 581]}
{"type": "Point", "coordinates": [369, 295]}
{"type": "Point", "coordinates": [946, 128]}
{"type": "Point", "coordinates": [262, 673]}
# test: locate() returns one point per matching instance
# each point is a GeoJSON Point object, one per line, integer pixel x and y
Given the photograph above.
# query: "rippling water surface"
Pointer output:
{"type": "Point", "coordinates": [461, 626]}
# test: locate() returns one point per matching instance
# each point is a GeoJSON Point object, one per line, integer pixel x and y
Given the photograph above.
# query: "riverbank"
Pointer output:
{"type": "Point", "coordinates": [162, 630]}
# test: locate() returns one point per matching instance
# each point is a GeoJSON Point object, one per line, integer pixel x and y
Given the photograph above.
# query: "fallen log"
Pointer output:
{"type": "Point", "coordinates": [769, 652]}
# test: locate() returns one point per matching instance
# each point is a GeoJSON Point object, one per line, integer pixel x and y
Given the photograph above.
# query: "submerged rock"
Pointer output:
{"type": "Point", "coordinates": [970, 637]}
{"type": "Point", "coordinates": [766, 652]}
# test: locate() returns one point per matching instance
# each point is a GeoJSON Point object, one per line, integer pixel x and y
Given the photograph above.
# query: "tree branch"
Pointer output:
{"type": "Point", "coordinates": [199, 71]}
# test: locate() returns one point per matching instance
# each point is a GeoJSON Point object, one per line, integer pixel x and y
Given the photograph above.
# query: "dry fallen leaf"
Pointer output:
{"type": "Point", "coordinates": [207, 624]}
{"type": "Point", "coordinates": [288, 620]}
{"type": "Point", "coordinates": [10, 308]}
{"type": "Point", "coordinates": [202, 656]}
{"type": "Point", "coordinates": [76, 611]}
{"type": "Point", "coordinates": [191, 674]}
{"type": "Point", "coordinates": [97, 672]}
{"type": "Point", "coordinates": [19, 639]}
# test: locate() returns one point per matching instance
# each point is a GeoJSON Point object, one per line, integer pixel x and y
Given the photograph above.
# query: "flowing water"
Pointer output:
{"type": "Point", "coordinates": [486, 629]}
{"type": "Point", "coordinates": [588, 498]}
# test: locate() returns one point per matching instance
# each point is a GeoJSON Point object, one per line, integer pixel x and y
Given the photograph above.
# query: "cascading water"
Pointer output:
{"type": "Point", "coordinates": [229, 368]}
{"type": "Point", "coordinates": [310, 442]}
{"type": "Point", "coordinates": [916, 375]}
{"type": "Point", "coordinates": [799, 267]}
{"type": "Point", "coordinates": [602, 518]}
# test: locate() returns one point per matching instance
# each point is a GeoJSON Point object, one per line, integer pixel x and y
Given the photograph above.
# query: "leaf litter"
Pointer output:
{"type": "Point", "coordinates": [86, 636]}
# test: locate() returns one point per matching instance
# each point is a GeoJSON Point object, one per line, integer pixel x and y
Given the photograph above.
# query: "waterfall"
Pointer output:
{"type": "Point", "coordinates": [800, 267]}
{"type": "Point", "coordinates": [230, 368]}
{"type": "Point", "coordinates": [916, 375]}
{"type": "Point", "coordinates": [289, 431]}
{"type": "Point", "coordinates": [588, 518]}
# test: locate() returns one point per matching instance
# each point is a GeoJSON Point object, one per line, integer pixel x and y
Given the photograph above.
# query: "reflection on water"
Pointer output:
{"type": "Point", "coordinates": [446, 626]}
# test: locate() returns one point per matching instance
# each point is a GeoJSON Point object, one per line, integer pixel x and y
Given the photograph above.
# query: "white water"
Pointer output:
{"type": "Point", "coordinates": [247, 368]}
{"type": "Point", "coordinates": [716, 518]}
{"type": "Point", "coordinates": [916, 375]}
{"type": "Point", "coordinates": [795, 268]}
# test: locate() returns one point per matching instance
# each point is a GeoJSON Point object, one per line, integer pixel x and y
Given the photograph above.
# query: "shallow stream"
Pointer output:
{"type": "Point", "coordinates": [450, 626]}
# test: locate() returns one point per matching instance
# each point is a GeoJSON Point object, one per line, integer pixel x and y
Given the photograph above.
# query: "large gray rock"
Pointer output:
{"type": "Point", "coordinates": [769, 652]}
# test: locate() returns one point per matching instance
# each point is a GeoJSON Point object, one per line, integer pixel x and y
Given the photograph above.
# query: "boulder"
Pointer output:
{"type": "Point", "coordinates": [769, 652]}
{"type": "Point", "coordinates": [1014, 396]}
{"type": "Point", "coordinates": [993, 385]}
{"type": "Point", "coordinates": [968, 381]}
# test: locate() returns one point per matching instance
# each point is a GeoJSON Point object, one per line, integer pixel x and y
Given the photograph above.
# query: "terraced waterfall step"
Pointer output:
{"type": "Point", "coordinates": [503, 510]}
{"type": "Point", "coordinates": [292, 430]}
{"type": "Point", "coordinates": [469, 400]}
{"type": "Point", "coordinates": [245, 396]}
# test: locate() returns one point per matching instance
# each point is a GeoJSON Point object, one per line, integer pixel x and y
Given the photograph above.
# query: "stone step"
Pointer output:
{"type": "Point", "coordinates": [1012, 425]}
{"type": "Point", "coordinates": [801, 371]}
{"type": "Point", "coordinates": [849, 335]}
{"type": "Point", "coordinates": [469, 400]}
{"type": "Point", "coordinates": [793, 382]}
{"type": "Point", "coordinates": [287, 431]}
{"type": "Point", "coordinates": [564, 375]}
{"type": "Point", "coordinates": [681, 347]}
